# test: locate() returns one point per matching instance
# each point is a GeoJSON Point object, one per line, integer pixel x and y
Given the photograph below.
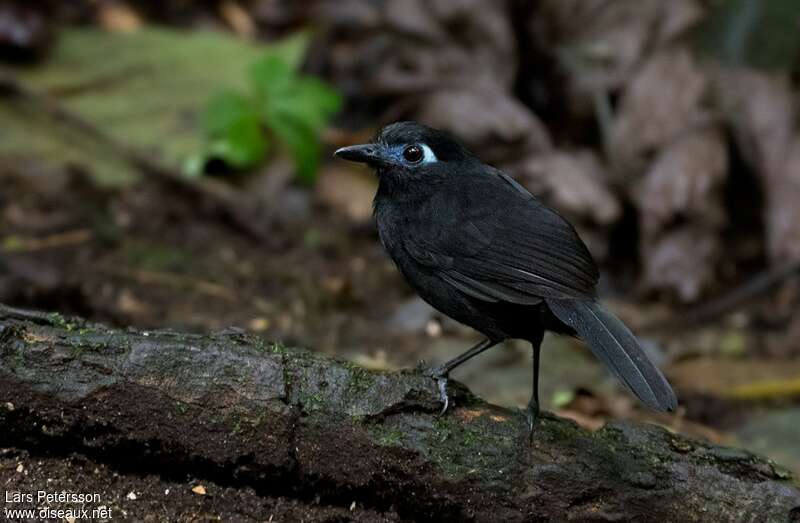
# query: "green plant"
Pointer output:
{"type": "Point", "coordinates": [282, 107]}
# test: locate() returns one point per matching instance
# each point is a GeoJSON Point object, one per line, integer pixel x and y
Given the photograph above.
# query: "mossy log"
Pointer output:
{"type": "Point", "coordinates": [240, 411]}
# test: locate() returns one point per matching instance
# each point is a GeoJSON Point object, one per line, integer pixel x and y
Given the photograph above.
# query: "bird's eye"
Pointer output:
{"type": "Point", "coordinates": [413, 153]}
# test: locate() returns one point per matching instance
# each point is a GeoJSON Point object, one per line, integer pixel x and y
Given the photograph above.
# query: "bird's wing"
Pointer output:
{"type": "Point", "coordinates": [494, 241]}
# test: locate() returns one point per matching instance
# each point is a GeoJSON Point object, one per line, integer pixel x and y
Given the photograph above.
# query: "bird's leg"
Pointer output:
{"type": "Point", "coordinates": [533, 404]}
{"type": "Point", "coordinates": [441, 373]}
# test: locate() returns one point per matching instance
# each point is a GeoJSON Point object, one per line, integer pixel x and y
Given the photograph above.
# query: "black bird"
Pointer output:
{"type": "Point", "coordinates": [480, 248]}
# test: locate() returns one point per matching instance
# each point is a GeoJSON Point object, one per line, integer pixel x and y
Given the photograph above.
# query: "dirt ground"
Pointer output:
{"type": "Point", "coordinates": [151, 497]}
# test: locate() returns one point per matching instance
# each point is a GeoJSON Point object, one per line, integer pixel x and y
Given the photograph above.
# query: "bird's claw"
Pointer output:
{"type": "Point", "coordinates": [441, 382]}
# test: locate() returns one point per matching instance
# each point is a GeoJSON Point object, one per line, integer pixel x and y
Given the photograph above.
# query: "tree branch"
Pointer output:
{"type": "Point", "coordinates": [240, 411]}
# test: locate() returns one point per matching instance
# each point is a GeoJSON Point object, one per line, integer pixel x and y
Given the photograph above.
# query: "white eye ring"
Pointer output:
{"type": "Point", "coordinates": [428, 155]}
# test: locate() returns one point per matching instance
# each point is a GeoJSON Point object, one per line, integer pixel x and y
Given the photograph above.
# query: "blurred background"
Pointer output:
{"type": "Point", "coordinates": [168, 164]}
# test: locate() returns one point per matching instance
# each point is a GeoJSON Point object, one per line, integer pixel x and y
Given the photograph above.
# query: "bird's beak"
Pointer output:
{"type": "Point", "coordinates": [367, 153]}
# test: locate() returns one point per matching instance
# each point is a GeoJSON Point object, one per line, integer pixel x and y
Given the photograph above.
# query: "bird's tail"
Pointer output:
{"type": "Point", "coordinates": [615, 345]}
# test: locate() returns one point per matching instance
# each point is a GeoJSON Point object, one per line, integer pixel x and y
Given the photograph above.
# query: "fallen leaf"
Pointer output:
{"type": "Point", "coordinates": [574, 182]}
{"type": "Point", "coordinates": [761, 109]}
{"type": "Point", "coordinates": [199, 490]}
{"type": "Point", "coordinates": [602, 42]}
{"type": "Point", "coordinates": [403, 48]}
{"type": "Point", "coordinates": [348, 191]}
{"type": "Point", "coordinates": [663, 100]}
{"type": "Point", "coordinates": [117, 16]}
{"type": "Point", "coordinates": [680, 201]}
{"type": "Point", "coordinates": [95, 74]}
{"type": "Point", "coordinates": [490, 122]}
{"type": "Point", "coordinates": [682, 261]}
{"type": "Point", "coordinates": [238, 18]}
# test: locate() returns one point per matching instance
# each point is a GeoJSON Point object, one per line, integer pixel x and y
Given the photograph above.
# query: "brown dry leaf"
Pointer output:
{"type": "Point", "coordinates": [448, 63]}
{"type": "Point", "coordinates": [681, 207]}
{"type": "Point", "coordinates": [685, 179]}
{"type": "Point", "coordinates": [603, 42]}
{"type": "Point", "coordinates": [115, 16]}
{"type": "Point", "coordinates": [662, 101]}
{"type": "Point", "coordinates": [761, 108]}
{"type": "Point", "coordinates": [682, 261]}
{"type": "Point", "coordinates": [347, 191]}
{"type": "Point", "coordinates": [128, 303]}
{"type": "Point", "coordinates": [237, 18]}
{"type": "Point", "coordinates": [783, 206]}
{"type": "Point", "coordinates": [680, 16]}
{"type": "Point", "coordinates": [573, 182]}
{"type": "Point", "coordinates": [406, 46]}
{"type": "Point", "coordinates": [490, 122]}
{"type": "Point", "coordinates": [199, 490]}
{"type": "Point", "coordinates": [413, 17]}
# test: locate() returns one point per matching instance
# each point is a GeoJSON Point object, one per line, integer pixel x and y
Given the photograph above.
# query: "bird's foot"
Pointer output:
{"type": "Point", "coordinates": [533, 417]}
{"type": "Point", "coordinates": [441, 377]}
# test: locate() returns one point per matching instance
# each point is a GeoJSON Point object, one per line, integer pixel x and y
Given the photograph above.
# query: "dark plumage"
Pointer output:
{"type": "Point", "coordinates": [480, 248]}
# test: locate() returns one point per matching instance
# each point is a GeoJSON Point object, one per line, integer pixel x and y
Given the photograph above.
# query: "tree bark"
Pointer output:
{"type": "Point", "coordinates": [240, 411]}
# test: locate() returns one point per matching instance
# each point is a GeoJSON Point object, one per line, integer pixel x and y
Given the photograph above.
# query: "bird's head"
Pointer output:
{"type": "Point", "coordinates": [405, 152]}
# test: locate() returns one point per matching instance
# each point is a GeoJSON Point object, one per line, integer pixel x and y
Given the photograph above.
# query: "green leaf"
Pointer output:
{"type": "Point", "coordinates": [232, 123]}
{"type": "Point", "coordinates": [310, 101]}
{"type": "Point", "coordinates": [225, 109]}
{"type": "Point", "coordinates": [242, 145]}
{"type": "Point", "coordinates": [296, 108]}
{"type": "Point", "coordinates": [272, 77]}
{"type": "Point", "coordinates": [763, 34]}
{"type": "Point", "coordinates": [301, 141]}
{"type": "Point", "coordinates": [291, 49]}
{"type": "Point", "coordinates": [279, 89]}
{"type": "Point", "coordinates": [148, 89]}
